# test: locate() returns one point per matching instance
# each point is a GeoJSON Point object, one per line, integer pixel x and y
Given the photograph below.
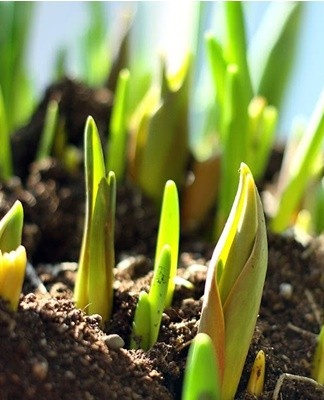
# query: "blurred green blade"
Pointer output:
{"type": "Point", "coordinates": [235, 47]}
{"type": "Point", "coordinates": [300, 169]}
{"type": "Point", "coordinates": [201, 380]}
{"type": "Point", "coordinates": [116, 159]}
{"type": "Point", "coordinates": [272, 50]}
{"type": "Point", "coordinates": [235, 144]}
{"type": "Point", "coordinates": [50, 125]}
{"type": "Point", "coordinates": [166, 151]}
{"type": "Point", "coordinates": [5, 148]}
{"type": "Point", "coordinates": [15, 24]}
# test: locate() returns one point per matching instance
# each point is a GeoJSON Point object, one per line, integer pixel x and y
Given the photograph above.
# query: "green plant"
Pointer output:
{"type": "Point", "coordinates": [15, 24]}
{"type": "Point", "coordinates": [94, 285]}
{"type": "Point", "coordinates": [50, 125]}
{"type": "Point", "coordinates": [234, 284]}
{"type": "Point", "coordinates": [201, 379]}
{"type": "Point", "coordinates": [256, 381]}
{"type": "Point", "coordinates": [237, 94]}
{"type": "Point", "coordinates": [150, 305]}
{"type": "Point", "coordinates": [13, 258]}
{"type": "Point", "coordinates": [159, 134]}
{"type": "Point", "coordinates": [302, 166]}
{"type": "Point", "coordinates": [317, 371]}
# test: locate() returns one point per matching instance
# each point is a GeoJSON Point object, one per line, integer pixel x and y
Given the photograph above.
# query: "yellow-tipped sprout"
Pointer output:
{"type": "Point", "coordinates": [12, 272]}
{"type": "Point", "coordinates": [234, 284]}
{"type": "Point", "coordinates": [256, 382]}
{"type": "Point", "coordinates": [13, 257]}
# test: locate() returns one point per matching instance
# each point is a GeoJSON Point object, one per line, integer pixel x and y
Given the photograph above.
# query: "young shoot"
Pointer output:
{"type": "Point", "coordinates": [150, 306]}
{"type": "Point", "coordinates": [116, 151]}
{"type": "Point", "coordinates": [256, 382]}
{"type": "Point", "coordinates": [48, 134]}
{"type": "Point", "coordinates": [317, 371]}
{"type": "Point", "coordinates": [169, 232]}
{"type": "Point", "coordinates": [300, 170]}
{"type": "Point", "coordinates": [201, 380]}
{"type": "Point", "coordinates": [13, 257]}
{"type": "Point", "coordinates": [234, 284]}
{"type": "Point", "coordinates": [94, 285]}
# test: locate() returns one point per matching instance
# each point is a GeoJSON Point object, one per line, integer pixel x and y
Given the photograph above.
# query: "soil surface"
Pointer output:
{"type": "Point", "coordinates": [49, 349]}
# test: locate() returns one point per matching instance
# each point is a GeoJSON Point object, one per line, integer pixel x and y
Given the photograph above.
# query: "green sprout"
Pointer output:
{"type": "Point", "coordinates": [5, 149]}
{"type": "Point", "coordinates": [234, 284]}
{"type": "Point", "coordinates": [301, 168]}
{"type": "Point", "coordinates": [256, 381]}
{"type": "Point", "coordinates": [238, 91]}
{"type": "Point", "coordinates": [116, 151]}
{"type": "Point", "coordinates": [15, 25]}
{"type": "Point", "coordinates": [50, 126]}
{"type": "Point", "coordinates": [94, 285]}
{"type": "Point", "coordinates": [201, 380]}
{"type": "Point", "coordinates": [150, 305]}
{"type": "Point", "coordinates": [159, 133]}
{"type": "Point", "coordinates": [13, 257]}
{"type": "Point", "coordinates": [317, 371]}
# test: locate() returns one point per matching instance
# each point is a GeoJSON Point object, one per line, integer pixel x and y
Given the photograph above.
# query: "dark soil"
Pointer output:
{"type": "Point", "coordinates": [49, 349]}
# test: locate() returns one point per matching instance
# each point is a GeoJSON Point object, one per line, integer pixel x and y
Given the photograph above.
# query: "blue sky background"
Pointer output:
{"type": "Point", "coordinates": [58, 24]}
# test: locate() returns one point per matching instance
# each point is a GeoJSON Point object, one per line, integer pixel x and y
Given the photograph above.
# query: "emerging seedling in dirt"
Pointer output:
{"type": "Point", "coordinates": [234, 284]}
{"type": "Point", "coordinates": [13, 257]}
{"type": "Point", "coordinates": [317, 371]}
{"type": "Point", "coordinates": [94, 285]}
{"type": "Point", "coordinates": [256, 381]}
{"type": "Point", "coordinates": [201, 380]}
{"type": "Point", "coordinates": [150, 305]}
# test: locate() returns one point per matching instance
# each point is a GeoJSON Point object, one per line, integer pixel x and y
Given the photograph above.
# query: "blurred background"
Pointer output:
{"type": "Point", "coordinates": [61, 25]}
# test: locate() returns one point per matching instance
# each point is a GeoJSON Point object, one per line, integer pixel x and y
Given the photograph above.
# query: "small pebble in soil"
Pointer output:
{"type": "Point", "coordinates": [286, 290]}
{"type": "Point", "coordinates": [40, 369]}
{"type": "Point", "coordinates": [114, 341]}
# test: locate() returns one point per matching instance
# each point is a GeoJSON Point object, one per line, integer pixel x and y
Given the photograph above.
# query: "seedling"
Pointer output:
{"type": "Point", "coordinates": [150, 305]}
{"type": "Point", "coordinates": [318, 359]}
{"type": "Point", "coordinates": [201, 380]}
{"type": "Point", "coordinates": [234, 284]}
{"type": "Point", "coordinates": [292, 183]}
{"type": "Point", "coordinates": [13, 258]}
{"type": "Point", "coordinates": [237, 91]}
{"type": "Point", "coordinates": [256, 381]}
{"type": "Point", "coordinates": [94, 285]}
{"type": "Point", "coordinates": [50, 125]}
{"type": "Point", "coordinates": [116, 151]}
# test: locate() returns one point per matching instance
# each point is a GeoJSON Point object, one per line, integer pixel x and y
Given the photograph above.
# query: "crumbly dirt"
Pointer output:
{"type": "Point", "coordinates": [49, 349]}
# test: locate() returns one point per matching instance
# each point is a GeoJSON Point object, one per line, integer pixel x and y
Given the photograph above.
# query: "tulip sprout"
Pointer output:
{"type": "Point", "coordinates": [94, 285]}
{"type": "Point", "coordinates": [256, 381]}
{"type": "Point", "coordinates": [201, 380]}
{"type": "Point", "coordinates": [150, 305]}
{"type": "Point", "coordinates": [301, 168]}
{"type": "Point", "coordinates": [50, 125]}
{"type": "Point", "coordinates": [234, 284]}
{"type": "Point", "coordinates": [318, 359]}
{"type": "Point", "coordinates": [13, 257]}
